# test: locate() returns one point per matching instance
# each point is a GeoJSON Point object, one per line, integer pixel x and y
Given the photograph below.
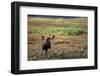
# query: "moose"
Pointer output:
{"type": "Point", "coordinates": [46, 44]}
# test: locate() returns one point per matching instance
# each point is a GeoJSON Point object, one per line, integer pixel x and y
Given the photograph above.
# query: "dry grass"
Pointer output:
{"type": "Point", "coordinates": [69, 47]}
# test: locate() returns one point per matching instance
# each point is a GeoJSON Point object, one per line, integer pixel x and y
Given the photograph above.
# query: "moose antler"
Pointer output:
{"type": "Point", "coordinates": [53, 36]}
{"type": "Point", "coordinates": [43, 37]}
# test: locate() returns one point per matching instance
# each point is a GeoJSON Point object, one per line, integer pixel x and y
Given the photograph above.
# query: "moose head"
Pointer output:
{"type": "Point", "coordinates": [46, 43]}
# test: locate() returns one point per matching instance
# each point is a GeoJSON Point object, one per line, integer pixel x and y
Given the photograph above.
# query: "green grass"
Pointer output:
{"type": "Point", "coordinates": [71, 30]}
{"type": "Point", "coordinates": [59, 26]}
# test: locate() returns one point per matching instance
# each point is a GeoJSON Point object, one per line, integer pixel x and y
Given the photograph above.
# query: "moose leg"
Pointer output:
{"type": "Point", "coordinates": [45, 52]}
{"type": "Point", "coordinates": [42, 52]}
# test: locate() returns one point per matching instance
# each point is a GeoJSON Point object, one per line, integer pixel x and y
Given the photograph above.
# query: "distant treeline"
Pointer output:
{"type": "Point", "coordinates": [55, 17]}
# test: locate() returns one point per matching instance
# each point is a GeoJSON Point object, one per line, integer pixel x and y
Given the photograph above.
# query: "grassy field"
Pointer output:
{"type": "Point", "coordinates": [70, 40]}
